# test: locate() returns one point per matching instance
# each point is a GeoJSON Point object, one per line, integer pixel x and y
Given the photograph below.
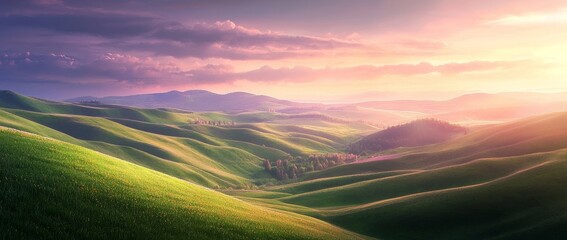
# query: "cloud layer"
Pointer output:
{"type": "Point", "coordinates": [113, 67]}
{"type": "Point", "coordinates": [218, 73]}
{"type": "Point", "coordinates": [148, 33]}
{"type": "Point", "coordinates": [108, 47]}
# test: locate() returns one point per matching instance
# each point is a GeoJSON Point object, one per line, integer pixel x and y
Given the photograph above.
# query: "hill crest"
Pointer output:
{"type": "Point", "coordinates": [416, 133]}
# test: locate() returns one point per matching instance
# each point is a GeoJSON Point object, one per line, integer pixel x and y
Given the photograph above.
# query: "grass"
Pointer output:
{"type": "Point", "coordinates": [326, 183]}
{"type": "Point", "coordinates": [12, 100]}
{"type": "Point", "coordinates": [537, 134]}
{"type": "Point", "coordinates": [52, 189]}
{"type": "Point", "coordinates": [163, 140]}
{"type": "Point", "coordinates": [499, 182]}
{"type": "Point", "coordinates": [529, 204]}
{"type": "Point", "coordinates": [518, 197]}
{"type": "Point", "coordinates": [374, 190]}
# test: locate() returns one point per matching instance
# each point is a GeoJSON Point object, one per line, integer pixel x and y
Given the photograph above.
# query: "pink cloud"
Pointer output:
{"type": "Point", "coordinates": [151, 34]}
{"type": "Point", "coordinates": [110, 67]}
{"type": "Point", "coordinates": [218, 74]}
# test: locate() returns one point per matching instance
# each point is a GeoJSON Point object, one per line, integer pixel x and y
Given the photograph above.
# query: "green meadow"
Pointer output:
{"type": "Point", "coordinates": [167, 140]}
{"type": "Point", "coordinates": [500, 182]}
{"type": "Point", "coordinates": [51, 189]}
{"type": "Point", "coordinates": [100, 171]}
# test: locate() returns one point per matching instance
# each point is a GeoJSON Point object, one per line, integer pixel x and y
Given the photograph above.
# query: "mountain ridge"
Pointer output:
{"type": "Point", "coordinates": [197, 100]}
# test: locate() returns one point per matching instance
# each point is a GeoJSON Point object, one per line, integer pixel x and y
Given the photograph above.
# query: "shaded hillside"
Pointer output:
{"type": "Point", "coordinates": [523, 199]}
{"type": "Point", "coordinates": [196, 100]}
{"type": "Point", "coordinates": [416, 133]}
{"type": "Point", "coordinates": [56, 190]}
{"type": "Point", "coordinates": [499, 182]}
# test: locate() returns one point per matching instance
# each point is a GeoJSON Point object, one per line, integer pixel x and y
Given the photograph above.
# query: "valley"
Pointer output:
{"type": "Point", "coordinates": [485, 181]}
{"type": "Point", "coordinates": [283, 120]}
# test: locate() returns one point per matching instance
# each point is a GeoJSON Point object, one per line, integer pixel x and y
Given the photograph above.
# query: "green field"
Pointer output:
{"type": "Point", "coordinates": [166, 141]}
{"type": "Point", "coordinates": [52, 189]}
{"type": "Point", "coordinates": [499, 182]}
{"type": "Point", "coordinates": [502, 181]}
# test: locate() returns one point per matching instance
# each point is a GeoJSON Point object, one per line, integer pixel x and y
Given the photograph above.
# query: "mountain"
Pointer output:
{"type": "Point", "coordinates": [412, 134]}
{"type": "Point", "coordinates": [479, 108]}
{"type": "Point", "coordinates": [56, 190]}
{"type": "Point", "coordinates": [470, 109]}
{"type": "Point", "coordinates": [197, 100]}
{"type": "Point", "coordinates": [468, 101]}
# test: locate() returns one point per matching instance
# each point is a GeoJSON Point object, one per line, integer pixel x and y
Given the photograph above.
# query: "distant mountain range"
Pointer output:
{"type": "Point", "coordinates": [468, 101]}
{"type": "Point", "coordinates": [470, 109]}
{"type": "Point", "coordinates": [197, 100]}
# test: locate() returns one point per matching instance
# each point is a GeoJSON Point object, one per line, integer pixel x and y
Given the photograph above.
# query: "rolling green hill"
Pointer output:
{"type": "Point", "coordinates": [531, 135]}
{"type": "Point", "coordinates": [51, 189]}
{"type": "Point", "coordinates": [529, 203]}
{"type": "Point", "coordinates": [212, 155]}
{"type": "Point", "coordinates": [499, 182]}
{"type": "Point", "coordinates": [496, 182]}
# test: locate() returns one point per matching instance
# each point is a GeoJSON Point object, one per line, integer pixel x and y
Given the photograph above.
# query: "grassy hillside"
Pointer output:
{"type": "Point", "coordinates": [168, 141]}
{"type": "Point", "coordinates": [530, 203]}
{"type": "Point", "coordinates": [52, 189]}
{"type": "Point", "coordinates": [531, 135]}
{"type": "Point", "coordinates": [13, 100]}
{"type": "Point", "coordinates": [499, 182]}
{"type": "Point", "coordinates": [368, 191]}
{"type": "Point", "coordinates": [416, 133]}
{"type": "Point", "coordinates": [496, 182]}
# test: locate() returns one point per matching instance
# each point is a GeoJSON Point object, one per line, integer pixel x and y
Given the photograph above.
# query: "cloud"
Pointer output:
{"type": "Point", "coordinates": [92, 22]}
{"type": "Point", "coordinates": [552, 17]}
{"type": "Point", "coordinates": [228, 40]}
{"type": "Point", "coordinates": [113, 68]}
{"type": "Point", "coordinates": [106, 69]}
{"type": "Point", "coordinates": [151, 34]}
{"type": "Point", "coordinates": [219, 73]}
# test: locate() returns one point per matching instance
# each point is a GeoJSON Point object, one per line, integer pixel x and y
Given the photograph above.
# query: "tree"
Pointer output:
{"type": "Point", "coordinates": [267, 165]}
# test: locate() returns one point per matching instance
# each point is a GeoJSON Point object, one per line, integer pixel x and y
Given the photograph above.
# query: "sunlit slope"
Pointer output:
{"type": "Point", "coordinates": [205, 164]}
{"type": "Point", "coordinates": [13, 100]}
{"type": "Point", "coordinates": [131, 154]}
{"type": "Point", "coordinates": [165, 140]}
{"type": "Point", "coordinates": [52, 189]}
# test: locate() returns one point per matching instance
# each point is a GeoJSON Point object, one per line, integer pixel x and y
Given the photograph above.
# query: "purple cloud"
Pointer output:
{"type": "Point", "coordinates": [111, 67]}
{"type": "Point", "coordinates": [219, 73]}
{"type": "Point", "coordinates": [152, 34]}
{"type": "Point", "coordinates": [127, 69]}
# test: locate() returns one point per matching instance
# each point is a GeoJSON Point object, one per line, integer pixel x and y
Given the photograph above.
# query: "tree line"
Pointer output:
{"type": "Point", "coordinates": [296, 167]}
{"type": "Point", "coordinates": [213, 123]}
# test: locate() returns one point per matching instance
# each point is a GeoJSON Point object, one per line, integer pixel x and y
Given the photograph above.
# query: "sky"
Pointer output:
{"type": "Point", "coordinates": [314, 50]}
